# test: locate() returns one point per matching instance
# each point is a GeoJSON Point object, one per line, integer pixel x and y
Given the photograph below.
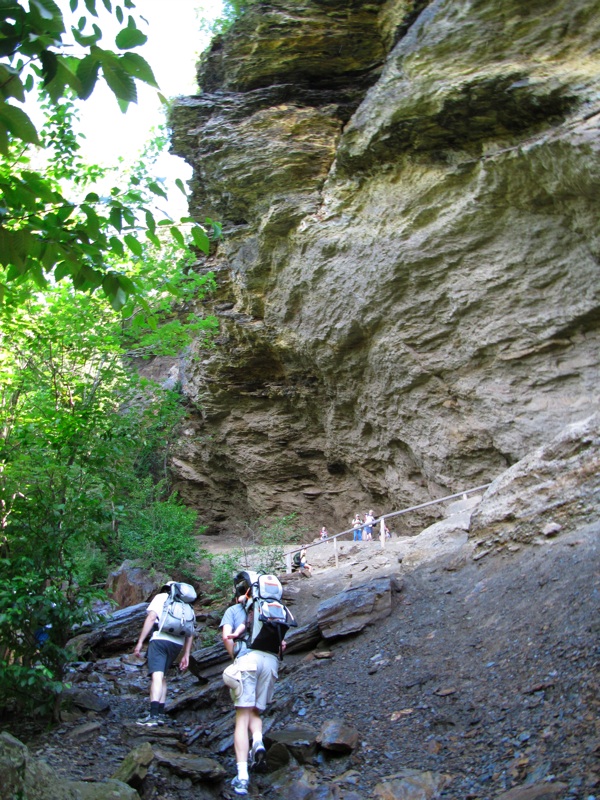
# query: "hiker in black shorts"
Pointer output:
{"type": "Point", "coordinates": [163, 649]}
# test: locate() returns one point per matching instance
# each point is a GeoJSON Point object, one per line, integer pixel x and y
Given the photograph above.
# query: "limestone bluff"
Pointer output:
{"type": "Point", "coordinates": [408, 285]}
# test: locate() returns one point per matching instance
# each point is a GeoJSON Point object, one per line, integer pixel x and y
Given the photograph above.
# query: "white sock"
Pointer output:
{"type": "Point", "coordinates": [256, 737]}
{"type": "Point", "coordinates": [242, 768]}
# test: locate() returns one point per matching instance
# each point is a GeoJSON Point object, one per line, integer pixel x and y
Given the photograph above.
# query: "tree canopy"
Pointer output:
{"type": "Point", "coordinates": [71, 230]}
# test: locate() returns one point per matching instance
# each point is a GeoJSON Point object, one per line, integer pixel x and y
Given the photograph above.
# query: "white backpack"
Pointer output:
{"type": "Point", "coordinates": [178, 618]}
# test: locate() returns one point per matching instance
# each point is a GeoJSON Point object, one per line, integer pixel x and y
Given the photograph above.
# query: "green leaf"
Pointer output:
{"type": "Point", "coordinates": [119, 81]}
{"type": "Point", "coordinates": [116, 245]}
{"type": "Point", "coordinates": [91, 7]}
{"type": "Point", "coordinates": [133, 244]}
{"type": "Point", "coordinates": [18, 123]}
{"type": "Point", "coordinates": [150, 223]}
{"type": "Point", "coordinates": [44, 12]}
{"type": "Point", "coordinates": [107, 5]}
{"type": "Point", "coordinates": [73, 5]}
{"type": "Point", "coordinates": [139, 68]}
{"type": "Point", "coordinates": [89, 39]}
{"type": "Point", "coordinates": [64, 77]}
{"type": "Point", "coordinates": [11, 84]}
{"type": "Point", "coordinates": [119, 299]}
{"type": "Point", "coordinates": [3, 139]}
{"type": "Point", "coordinates": [154, 239]}
{"type": "Point", "coordinates": [130, 37]}
{"type": "Point", "coordinates": [155, 188]}
{"type": "Point", "coordinates": [119, 14]}
{"type": "Point", "coordinates": [201, 240]}
{"type": "Point", "coordinates": [177, 235]}
{"type": "Point", "coordinates": [180, 186]}
{"type": "Point", "coordinates": [49, 65]}
{"type": "Point", "coordinates": [115, 218]}
{"type": "Point", "coordinates": [126, 284]}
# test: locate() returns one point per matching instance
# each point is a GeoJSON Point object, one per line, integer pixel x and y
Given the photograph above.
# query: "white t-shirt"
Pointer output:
{"type": "Point", "coordinates": [157, 604]}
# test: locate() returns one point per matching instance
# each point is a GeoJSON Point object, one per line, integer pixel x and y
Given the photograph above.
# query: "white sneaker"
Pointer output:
{"type": "Point", "coordinates": [240, 786]}
{"type": "Point", "coordinates": [258, 754]}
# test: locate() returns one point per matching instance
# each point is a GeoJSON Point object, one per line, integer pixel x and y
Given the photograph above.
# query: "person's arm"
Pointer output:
{"type": "Point", "coordinates": [184, 661]}
{"type": "Point", "coordinates": [229, 643]}
{"type": "Point", "coordinates": [237, 632]}
{"type": "Point", "coordinates": [149, 623]}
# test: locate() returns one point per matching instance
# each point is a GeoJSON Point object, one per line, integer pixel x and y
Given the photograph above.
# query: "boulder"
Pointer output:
{"type": "Point", "coordinates": [103, 790]}
{"type": "Point", "coordinates": [131, 584]}
{"type": "Point", "coordinates": [134, 767]}
{"type": "Point", "coordinates": [188, 765]}
{"type": "Point", "coordinates": [352, 610]}
{"type": "Point", "coordinates": [338, 736]}
{"type": "Point", "coordinates": [411, 784]}
{"type": "Point", "coordinates": [536, 791]}
{"type": "Point", "coordinates": [300, 742]}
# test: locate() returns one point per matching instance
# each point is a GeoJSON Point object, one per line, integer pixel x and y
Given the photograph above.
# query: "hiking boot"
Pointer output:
{"type": "Point", "coordinates": [149, 721]}
{"type": "Point", "coordinates": [240, 786]}
{"type": "Point", "coordinates": [257, 755]}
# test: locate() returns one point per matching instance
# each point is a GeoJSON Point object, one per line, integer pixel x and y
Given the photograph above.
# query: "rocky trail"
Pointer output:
{"type": "Point", "coordinates": [480, 681]}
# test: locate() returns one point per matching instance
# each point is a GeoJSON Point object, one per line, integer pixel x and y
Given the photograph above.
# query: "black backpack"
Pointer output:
{"type": "Point", "coordinates": [268, 618]}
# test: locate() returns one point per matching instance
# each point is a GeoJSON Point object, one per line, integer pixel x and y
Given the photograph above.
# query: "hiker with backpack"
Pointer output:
{"type": "Point", "coordinates": [171, 619]}
{"type": "Point", "coordinates": [252, 675]}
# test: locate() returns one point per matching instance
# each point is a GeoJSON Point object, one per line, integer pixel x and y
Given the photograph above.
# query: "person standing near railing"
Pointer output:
{"type": "Point", "coordinates": [357, 524]}
{"type": "Point", "coordinates": [368, 527]}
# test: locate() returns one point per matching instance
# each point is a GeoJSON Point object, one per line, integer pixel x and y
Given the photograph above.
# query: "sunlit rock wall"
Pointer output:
{"type": "Point", "coordinates": [409, 283]}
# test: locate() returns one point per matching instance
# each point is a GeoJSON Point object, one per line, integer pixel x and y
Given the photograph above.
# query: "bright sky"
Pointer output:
{"type": "Point", "coordinates": [174, 44]}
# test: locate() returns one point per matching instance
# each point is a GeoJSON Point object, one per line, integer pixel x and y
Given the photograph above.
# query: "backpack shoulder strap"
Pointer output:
{"type": "Point", "coordinates": [168, 602]}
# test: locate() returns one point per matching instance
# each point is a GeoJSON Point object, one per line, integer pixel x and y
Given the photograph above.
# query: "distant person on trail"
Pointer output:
{"type": "Point", "coordinates": [368, 527]}
{"type": "Point", "coordinates": [163, 649]}
{"type": "Point", "coordinates": [305, 567]}
{"type": "Point", "coordinates": [255, 674]}
{"type": "Point", "coordinates": [324, 533]}
{"type": "Point", "coordinates": [357, 524]}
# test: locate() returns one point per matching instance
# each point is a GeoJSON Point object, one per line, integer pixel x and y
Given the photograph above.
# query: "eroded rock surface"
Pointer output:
{"type": "Point", "coordinates": [408, 284]}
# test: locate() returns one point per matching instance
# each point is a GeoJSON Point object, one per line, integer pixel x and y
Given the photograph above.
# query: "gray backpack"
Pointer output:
{"type": "Point", "coordinates": [178, 617]}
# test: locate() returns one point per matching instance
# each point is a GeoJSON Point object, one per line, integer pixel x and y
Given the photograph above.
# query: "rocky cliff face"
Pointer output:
{"type": "Point", "coordinates": [409, 295]}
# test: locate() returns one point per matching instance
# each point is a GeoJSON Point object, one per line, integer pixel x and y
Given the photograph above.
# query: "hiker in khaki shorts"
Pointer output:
{"type": "Point", "coordinates": [251, 680]}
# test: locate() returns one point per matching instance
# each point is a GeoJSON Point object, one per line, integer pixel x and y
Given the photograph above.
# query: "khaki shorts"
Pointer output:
{"type": "Point", "coordinates": [257, 675]}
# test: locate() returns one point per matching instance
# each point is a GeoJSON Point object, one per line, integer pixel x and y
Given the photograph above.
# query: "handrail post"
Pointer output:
{"type": "Point", "coordinates": [288, 563]}
{"type": "Point", "coordinates": [382, 532]}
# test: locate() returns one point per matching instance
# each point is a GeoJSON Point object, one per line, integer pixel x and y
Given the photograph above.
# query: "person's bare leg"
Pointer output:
{"type": "Point", "coordinates": [241, 740]}
{"type": "Point", "coordinates": [255, 724]}
{"type": "Point", "coordinates": [157, 685]}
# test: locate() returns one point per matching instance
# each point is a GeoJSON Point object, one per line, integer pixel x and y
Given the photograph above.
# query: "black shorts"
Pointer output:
{"type": "Point", "coordinates": [161, 654]}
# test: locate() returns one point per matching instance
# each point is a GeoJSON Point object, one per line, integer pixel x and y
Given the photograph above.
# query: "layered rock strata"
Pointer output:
{"type": "Point", "coordinates": [408, 283]}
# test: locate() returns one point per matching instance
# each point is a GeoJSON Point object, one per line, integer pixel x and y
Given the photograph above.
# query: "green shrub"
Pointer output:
{"type": "Point", "coordinates": [37, 614]}
{"type": "Point", "coordinates": [158, 533]}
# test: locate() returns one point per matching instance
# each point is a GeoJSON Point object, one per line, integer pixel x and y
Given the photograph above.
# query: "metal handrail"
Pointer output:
{"type": "Point", "coordinates": [335, 536]}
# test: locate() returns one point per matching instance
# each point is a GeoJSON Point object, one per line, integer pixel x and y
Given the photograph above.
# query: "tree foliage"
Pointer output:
{"type": "Point", "coordinates": [84, 447]}
{"type": "Point", "coordinates": [47, 227]}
